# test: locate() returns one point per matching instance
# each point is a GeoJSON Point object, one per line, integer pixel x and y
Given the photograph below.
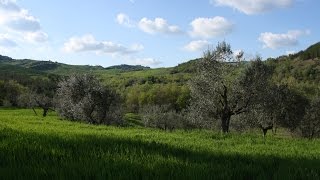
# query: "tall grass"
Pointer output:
{"type": "Point", "coordinates": [33, 147]}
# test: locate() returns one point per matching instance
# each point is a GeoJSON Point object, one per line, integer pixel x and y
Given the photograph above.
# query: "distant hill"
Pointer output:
{"type": "Point", "coordinates": [300, 71]}
{"type": "Point", "coordinates": [186, 67]}
{"type": "Point", "coordinates": [126, 67]}
{"type": "Point", "coordinates": [60, 68]}
{"type": "Point", "coordinates": [302, 68]}
{"type": "Point", "coordinates": [5, 58]}
{"type": "Point", "coordinates": [312, 52]}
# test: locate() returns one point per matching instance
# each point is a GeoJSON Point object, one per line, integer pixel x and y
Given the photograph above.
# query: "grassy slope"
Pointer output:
{"type": "Point", "coordinates": [16, 70]}
{"type": "Point", "coordinates": [300, 73]}
{"type": "Point", "coordinates": [34, 147]}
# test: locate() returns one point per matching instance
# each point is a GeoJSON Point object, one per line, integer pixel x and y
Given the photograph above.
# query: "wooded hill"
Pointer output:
{"type": "Point", "coordinates": [303, 66]}
{"type": "Point", "coordinates": [141, 85]}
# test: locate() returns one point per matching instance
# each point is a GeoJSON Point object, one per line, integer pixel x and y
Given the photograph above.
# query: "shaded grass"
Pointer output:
{"type": "Point", "coordinates": [35, 147]}
{"type": "Point", "coordinates": [133, 120]}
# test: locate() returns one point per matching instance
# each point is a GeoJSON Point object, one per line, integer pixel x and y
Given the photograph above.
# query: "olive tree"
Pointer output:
{"type": "Point", "coordinates": [161, 117]}
{"type": "Point", "coordinates": [83, 97]}
{"type": "Point", "coordinates": [257, 81]}
{"type": "Point", "coordinates": [272, 105]}
{"type": "Point", "coordinates": [287, 107]}
{"type": "Point", "coordinates": [217, 91]}
{"type": "Point", "coordinates": [31, 99]}
{"type": "Point", "coordinates": [40, 94]}
{"type": "Point", "coordinates": [310, 126]}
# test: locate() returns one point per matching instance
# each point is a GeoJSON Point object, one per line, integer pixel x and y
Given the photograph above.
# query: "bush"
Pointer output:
{"type": "Point", "coordinates": [161, 117]}
{"type": "Point", "coordinates": [82, 97]}
{"type": "Point", "coordinates": [195, 119]}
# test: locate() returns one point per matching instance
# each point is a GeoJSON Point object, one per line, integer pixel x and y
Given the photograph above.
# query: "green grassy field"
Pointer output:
{"type": "Point", "coordinates": [33, 147]}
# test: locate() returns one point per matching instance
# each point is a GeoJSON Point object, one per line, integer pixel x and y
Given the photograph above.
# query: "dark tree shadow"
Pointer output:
{"type": "Point", "coordinates": [32, 155]}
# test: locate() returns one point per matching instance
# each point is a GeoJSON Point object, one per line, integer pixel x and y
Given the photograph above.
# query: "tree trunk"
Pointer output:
{"type": "Point", "coordinates": [35, 112]}
{"type": "Point", "coordinates": [225, 122]}
{"type": "Point", "coordinates": [45, 111]}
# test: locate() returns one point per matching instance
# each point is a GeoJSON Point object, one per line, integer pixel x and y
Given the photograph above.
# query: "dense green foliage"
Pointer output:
{"type": "Point", "coordinates": [36, 148]}
{"type": "Point", "coordinates": [140, 86]}
{"type": "Point", "coordinates": [312, 52]}
{"type": "Point", "coordinates": [281, 92]}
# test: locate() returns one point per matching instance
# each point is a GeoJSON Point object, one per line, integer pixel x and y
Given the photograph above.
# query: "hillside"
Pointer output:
{"type": "Point", "coordinates": [307, 60]}
{"type": "Point", "coordinates": [38, 148]}
{"type": "Point", "coordinates": [60, 68]}
{"type": "Point", "coordinates": [300, 70]}
{"type": "Point", "coordinates": [312, 52]}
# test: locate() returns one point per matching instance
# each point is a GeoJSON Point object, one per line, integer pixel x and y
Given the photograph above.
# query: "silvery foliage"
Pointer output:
{"type": "Point", "coordinates": [216, 90]}
{"type": "Point", "coordinates": [83, 97]}
{"type": "Point", "coordinates": [310, 126]}
{"type": "Point", "coordinates": [161, 117]}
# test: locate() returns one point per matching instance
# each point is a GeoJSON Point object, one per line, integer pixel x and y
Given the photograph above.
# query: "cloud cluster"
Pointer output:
{"type": "Point", "coordinates": [253, 6]}
{"type": "Point", "coordinates": [37, 36]}
{"type": "Point", "coordinates": [273, 41]}
{"type": "Point", "coordinates": [88, 43]}
{"type": "Point", "coordinates": [202, 28]}
{"type": "Point", "coordinates": [6, 41]}
{"type": "Point", "coordinates": [17, 20]}
{"type": "Point", "coordinates": [210, 27]}
{"type": "Point", "coordinates": [9, 6]}
{"type": "Point", "coordinates": [198, 45]}
{"type": "Point", "coordinates": [124, 20]}
{"type": "Point", "coordinates": [146, 61]}
{"type": "Point", "coordinates": [158, 25]}
{"type": "Point", "coordinates": [290, 52]}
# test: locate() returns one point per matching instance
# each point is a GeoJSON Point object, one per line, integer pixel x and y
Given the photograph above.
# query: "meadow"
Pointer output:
{"type": "Point", "coordinates": [32, 147]}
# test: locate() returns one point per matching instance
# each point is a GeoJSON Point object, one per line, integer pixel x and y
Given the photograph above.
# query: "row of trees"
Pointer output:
{"type": "Point", "coordinates": [172, 94]}
{"type": "Point", "coordinates": [223, 93]}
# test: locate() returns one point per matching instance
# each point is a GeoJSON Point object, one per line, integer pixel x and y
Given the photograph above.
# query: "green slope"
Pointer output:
{"type": "Point", "coordinates": [13, 70]}
{"type": "Point", "coordinates": [63, 69]}
{"type": "Point", "coordinates": [300, 69]}
{"type": "Point", "coordinates": [32, 147]}
{"type": "Point", "coordinates": [312, 52]}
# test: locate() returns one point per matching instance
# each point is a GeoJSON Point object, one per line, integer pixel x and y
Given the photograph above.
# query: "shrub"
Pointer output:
{"type": "Point", "coordinates": [82, 97]}
{"type": "Point", "coordinates": [161, 117]}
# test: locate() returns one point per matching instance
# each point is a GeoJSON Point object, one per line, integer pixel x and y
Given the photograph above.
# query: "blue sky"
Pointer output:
{"type": "Point", "coordinates": [156, 33]}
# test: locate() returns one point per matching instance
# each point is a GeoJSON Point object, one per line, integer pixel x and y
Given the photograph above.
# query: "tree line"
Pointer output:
{"type": "Point", "coordinates": [223, 93]}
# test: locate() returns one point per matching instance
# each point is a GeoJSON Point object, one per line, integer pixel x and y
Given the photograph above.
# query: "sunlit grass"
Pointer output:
{"type": "Point", "coordinates": [36, 147]}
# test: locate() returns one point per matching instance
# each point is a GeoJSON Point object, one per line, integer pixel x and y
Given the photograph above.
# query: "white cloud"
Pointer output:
{"type": "Point", "coordinates": [198, 45]}
{"type": "Point", "coordinates": [88, 43]}
{"type": "Point", "coordinates": [6, 41]}
{"type": "Point", "coordinates": [37, 36]}
{"type": "Point", "coordinates": [146, 62]}
{"type": "Point", "coordinates": [210, 27]}
{"type": "Point", "coordinates": [18, 19]}
{"type": "Point", "coordinates": [9, 5]}
{"type": "Point", "coordinates": [158, 25]}
{"type": "Point", "coordinates": [273, 41]}
{"type": "Point", "coordinates": [253, 6]}
{"type": "Point", "coordinates": [20, 23]}
{"type": "Point", "coordinates": [124, 20]}
{"type": "Point", "coordinates": [290, 52]}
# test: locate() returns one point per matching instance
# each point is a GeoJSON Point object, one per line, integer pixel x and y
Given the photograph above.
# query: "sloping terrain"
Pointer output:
{"type": "Point", "coordinates": [37, 148]}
